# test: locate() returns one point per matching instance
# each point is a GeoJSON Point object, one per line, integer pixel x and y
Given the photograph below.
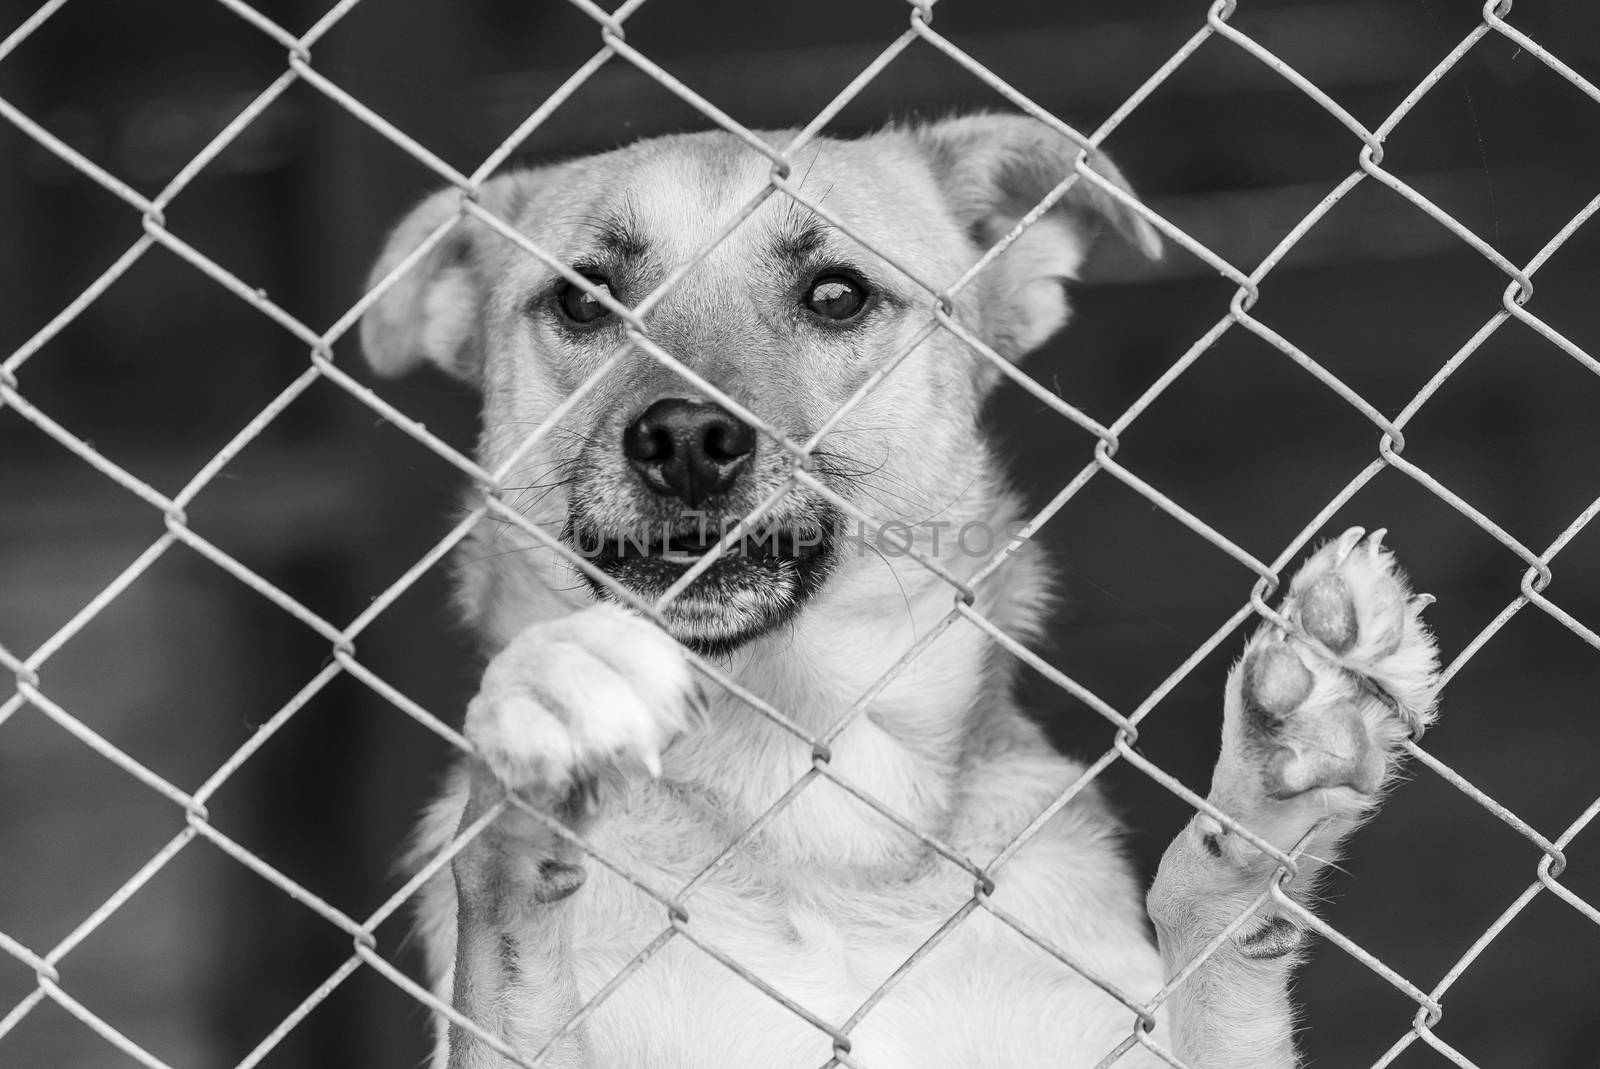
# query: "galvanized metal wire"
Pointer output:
{"type": "Point", "coordinates": [1263, 565]}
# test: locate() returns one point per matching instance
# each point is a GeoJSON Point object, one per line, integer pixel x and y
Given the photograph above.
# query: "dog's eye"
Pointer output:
{"type": "Point", "coordinates": [836, 297]}
{"type": "Point", "coordinates": [580, 306]}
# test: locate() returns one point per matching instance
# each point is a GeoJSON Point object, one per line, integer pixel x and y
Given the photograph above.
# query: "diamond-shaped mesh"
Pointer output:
{"type": "Point", "coordinates": [1097, 462]}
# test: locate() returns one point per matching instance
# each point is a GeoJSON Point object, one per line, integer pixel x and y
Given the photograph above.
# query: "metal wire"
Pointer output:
{"type": "Point", "coordinates": [51, 966]}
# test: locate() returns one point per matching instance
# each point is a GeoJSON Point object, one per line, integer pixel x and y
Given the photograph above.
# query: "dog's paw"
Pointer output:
{"type": "Point", "coordinates": [1315, 715]}
{"type": "Point", "coordinates": [572, 697]}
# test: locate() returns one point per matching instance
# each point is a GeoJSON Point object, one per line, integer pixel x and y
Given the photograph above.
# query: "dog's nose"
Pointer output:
{"type": "Point", "coordinates": [688, 449]}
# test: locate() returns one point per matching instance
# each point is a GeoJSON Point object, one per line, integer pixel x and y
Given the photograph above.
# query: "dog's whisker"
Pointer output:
{"type": "Point", "coordinates": [519, 492]}
{"type": "Point", "coordinates": [894, 573]}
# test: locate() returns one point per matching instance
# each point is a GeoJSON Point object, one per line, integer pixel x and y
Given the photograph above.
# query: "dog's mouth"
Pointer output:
{"type": "Point", "coordinates": [754, 585]}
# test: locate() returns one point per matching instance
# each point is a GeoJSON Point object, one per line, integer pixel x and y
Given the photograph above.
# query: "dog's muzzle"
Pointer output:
{"type": "Point", "coordinates": [688, 474]}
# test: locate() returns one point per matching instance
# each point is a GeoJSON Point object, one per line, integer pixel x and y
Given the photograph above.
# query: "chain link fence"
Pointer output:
{"type": "Point", "coordinates": [1538, 592]}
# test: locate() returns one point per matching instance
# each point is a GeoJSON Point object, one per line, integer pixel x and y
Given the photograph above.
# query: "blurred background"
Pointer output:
{"type": "Point", "coordinates": [331, 504]}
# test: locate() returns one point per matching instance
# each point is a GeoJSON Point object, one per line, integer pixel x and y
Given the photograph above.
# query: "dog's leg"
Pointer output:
{"type": "Point", "coordinates": [565, 702]}
{"type": "Point", "coordinates": [1312, 728]}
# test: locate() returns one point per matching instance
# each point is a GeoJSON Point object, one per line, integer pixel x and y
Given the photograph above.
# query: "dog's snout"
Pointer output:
{"type": "Point", "coordinates": [688, 449]}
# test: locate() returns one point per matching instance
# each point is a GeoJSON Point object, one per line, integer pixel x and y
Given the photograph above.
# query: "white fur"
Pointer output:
{"type": "Point", "coordinates": [829, 898]}
{"type": "Point", "coordinates": [570, 696]}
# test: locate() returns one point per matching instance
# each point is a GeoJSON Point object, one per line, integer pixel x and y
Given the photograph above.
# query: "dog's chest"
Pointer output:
{"type": "Point", "coordinates": [757, 978]}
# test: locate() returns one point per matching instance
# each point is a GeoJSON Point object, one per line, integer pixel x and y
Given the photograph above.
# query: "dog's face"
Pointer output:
{"type": "Point", "coordinates": [787, 316]}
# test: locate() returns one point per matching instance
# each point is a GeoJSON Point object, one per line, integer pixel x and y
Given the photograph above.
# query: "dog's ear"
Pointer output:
{"type": "Point", "coordinates": [433, 313]}
{"type": "Point", "coordinates": [993, 170]}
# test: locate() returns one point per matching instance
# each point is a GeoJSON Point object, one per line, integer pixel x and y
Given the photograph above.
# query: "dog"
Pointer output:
{"type": "Point", "coordinates": [784, 945]}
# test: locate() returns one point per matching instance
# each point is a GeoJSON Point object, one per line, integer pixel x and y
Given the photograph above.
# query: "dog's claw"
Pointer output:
{"type": "Point", "coordinates": [589, 788]}
{"type": "Point", "coordinates": [1375, 541]}
{"type": "Point", "coordinates": [1422, 601]}
{"type": "Point", "coordinates": [1347, 544]}
{"type": "Point", "coordinates": [699, 705]}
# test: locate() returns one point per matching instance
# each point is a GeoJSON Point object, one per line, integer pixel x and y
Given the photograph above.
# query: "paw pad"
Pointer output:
{"type": "Point", "coordinates": [1276, 681]}
{"type": "Point", "coordinates": [1333, 750]}
{"type": "Point", "coordinates": [1328, 612]}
